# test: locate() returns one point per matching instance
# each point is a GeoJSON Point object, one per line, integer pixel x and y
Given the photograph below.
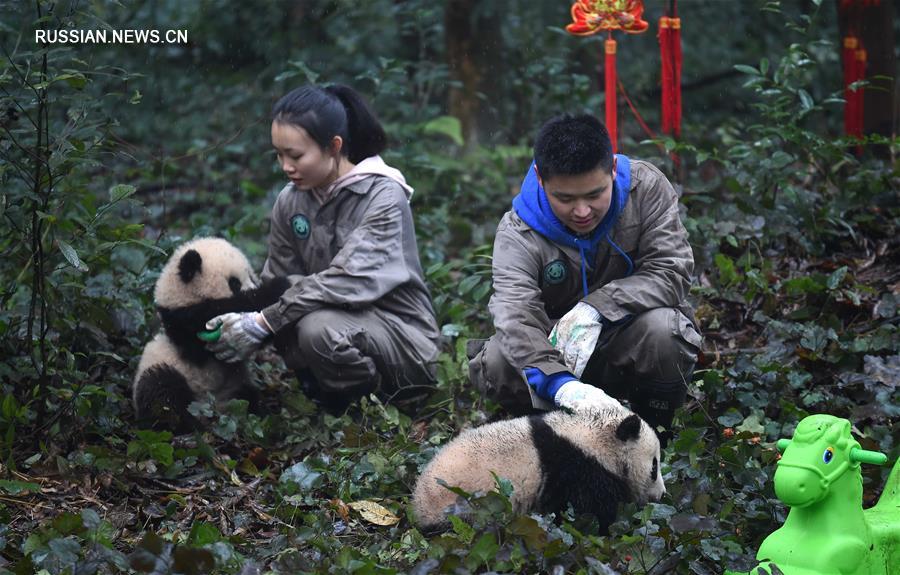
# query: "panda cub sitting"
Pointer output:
{"type": "Point", "coordinates": [591, 459]}
{"type": "Point", "coordinates": [204, 278]}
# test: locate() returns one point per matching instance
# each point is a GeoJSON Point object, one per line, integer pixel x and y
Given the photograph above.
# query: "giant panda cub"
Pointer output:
{"type": "Point", "coordinates": [204, 278]}
{"type": "Point", "coordinates": [591, 459]}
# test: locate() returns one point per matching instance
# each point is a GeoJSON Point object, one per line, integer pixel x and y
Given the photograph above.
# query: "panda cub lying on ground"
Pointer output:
{"type": "Point", "coordinates": [204, 278]}
{"type": "Point", "coordinates": [591, 459]}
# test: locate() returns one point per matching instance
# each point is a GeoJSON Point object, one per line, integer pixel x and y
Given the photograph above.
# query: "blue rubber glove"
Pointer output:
{"type": "Point", "coordinates": [242, 335]}
{"type": "Point", "coordinates": [575, 336]}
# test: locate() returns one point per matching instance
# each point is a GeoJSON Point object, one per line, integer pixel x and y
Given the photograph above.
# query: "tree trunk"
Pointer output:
{"type": "Point", "coordinates": [464, 71]}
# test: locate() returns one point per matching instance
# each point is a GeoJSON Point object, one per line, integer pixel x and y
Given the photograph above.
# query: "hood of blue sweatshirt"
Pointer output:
{"type": "Point", "coordinates": [532, 205]}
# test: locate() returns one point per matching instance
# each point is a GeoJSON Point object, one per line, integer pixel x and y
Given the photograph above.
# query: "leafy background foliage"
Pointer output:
{"type": "Point", "coordinates": [112, 155]}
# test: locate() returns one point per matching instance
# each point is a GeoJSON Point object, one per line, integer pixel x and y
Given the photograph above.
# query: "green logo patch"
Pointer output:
{"type": "Point", "coordinates": [300, 225]}
{"type": "Point", "coordinates": [555, 272]}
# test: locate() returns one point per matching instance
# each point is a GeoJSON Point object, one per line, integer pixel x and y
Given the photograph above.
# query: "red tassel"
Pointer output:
{"type": "Point", "coordinates": [848, 56]}
{"type": "Point", "coordinates": [670, 56]}
{"type": "Point", "coordinates": [610, 87]}
{"type": "Point", "coordinates": [860, 60]}
{"type": "Point", "coordinates": [667, 75]}
{"type": "Point", "coordinates": [675, 39]}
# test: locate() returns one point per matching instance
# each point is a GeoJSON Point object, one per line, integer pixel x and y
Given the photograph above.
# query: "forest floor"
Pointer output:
{"type": "Point", "coordinates": [305, 490]}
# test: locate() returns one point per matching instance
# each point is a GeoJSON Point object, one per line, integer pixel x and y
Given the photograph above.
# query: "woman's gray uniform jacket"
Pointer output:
{"type": "Point", "coordinates": [357, 251]}
{"type": "Point", "coordinates": [532, 291]}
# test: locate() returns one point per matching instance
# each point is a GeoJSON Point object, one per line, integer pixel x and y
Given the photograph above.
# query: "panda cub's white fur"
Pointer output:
{"type": "Point", "coordinates": [592, 459]}
{"type": "Point", "coordinates": [203, 278]}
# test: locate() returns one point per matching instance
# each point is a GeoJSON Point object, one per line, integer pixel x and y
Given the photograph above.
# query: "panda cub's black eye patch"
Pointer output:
{"type": "Point", "coordinates": [653, 470]}
{"type": "Point", "coordinates": [234, 284]}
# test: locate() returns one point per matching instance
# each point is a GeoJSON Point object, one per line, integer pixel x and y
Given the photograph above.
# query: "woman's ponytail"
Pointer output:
{"type": "Point", "coordinates": [334, 111]}
{"type": "Point", "coordinates": [365, 136]}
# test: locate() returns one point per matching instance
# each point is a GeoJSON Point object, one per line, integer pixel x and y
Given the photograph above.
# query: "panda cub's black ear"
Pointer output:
{"type": "Point", "coordinates": [629, 428]}
{"type": "Point", "coordinates": [189, 266]}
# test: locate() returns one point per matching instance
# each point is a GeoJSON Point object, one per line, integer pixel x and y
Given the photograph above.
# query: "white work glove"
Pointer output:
{"type": "Point", "coordinates": [241, 336]}
{"type": "Point", "coordinates": [579, 396]}
{"type": "Point", "coordinates": [575, 336]}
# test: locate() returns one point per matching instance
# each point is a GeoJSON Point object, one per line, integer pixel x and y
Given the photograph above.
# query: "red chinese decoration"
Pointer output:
{"type": "Point", "coordinates": [853, 57]}
{"type": "Point", "coordinates": [670, 56]}
{"type": "Point", "coordinates": [592, 16]}
{"type": "Point", "coordinates": [854, 60]}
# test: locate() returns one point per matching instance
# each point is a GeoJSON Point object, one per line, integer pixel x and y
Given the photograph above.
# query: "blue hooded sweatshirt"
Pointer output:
{"type": "Point", "coordinates": [532, 205]}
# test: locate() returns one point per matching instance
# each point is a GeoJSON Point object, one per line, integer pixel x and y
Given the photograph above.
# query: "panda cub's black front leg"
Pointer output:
{"type": "Point", "coordinates": [266, 294]}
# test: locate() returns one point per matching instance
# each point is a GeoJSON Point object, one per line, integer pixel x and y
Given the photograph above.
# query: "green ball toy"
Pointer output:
{"type": "Point", "coordinates": [211, 335]}
{"type": "Point", "coordinates": [827, 532]}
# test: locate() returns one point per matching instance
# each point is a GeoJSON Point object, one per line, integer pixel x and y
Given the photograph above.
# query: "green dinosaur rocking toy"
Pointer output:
{"type": "Point", "coordinates": [827, 532]}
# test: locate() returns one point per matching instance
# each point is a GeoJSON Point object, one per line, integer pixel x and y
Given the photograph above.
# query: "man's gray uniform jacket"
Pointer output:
{"type": "Point", "coordinates": [356, 251]}
{"type": "Point", "coordinates": [530, 294]}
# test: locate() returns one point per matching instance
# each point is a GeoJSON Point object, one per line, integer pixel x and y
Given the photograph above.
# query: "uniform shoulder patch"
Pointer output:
{"type": "Point", "coordinates": [555, 272]}
{"type": "Point", "coordinates": [300, 225]}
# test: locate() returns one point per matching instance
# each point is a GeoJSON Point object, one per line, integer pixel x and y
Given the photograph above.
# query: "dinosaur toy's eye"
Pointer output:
{"type": "Point", "coordinates": [828, 455]}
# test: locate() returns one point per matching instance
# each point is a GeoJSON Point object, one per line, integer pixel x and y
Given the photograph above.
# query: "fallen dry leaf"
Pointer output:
{"type": "Point", "coordinates": [341, 509]}
{"type": "Point", "coordinates": [220, 464]}
{"type": "Point", "coordinates": [374, 513]}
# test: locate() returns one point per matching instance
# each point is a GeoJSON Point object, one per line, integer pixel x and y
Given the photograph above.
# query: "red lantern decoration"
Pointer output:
{"type": "Point", "coordinates": [592, 16]}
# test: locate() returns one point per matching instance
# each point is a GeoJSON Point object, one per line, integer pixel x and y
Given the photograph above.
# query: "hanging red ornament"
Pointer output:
{"type": "Point", "coordinates": [851, 96]}
{"type": "Point", "coordinates": [675, 24]}
{"type": "Point", "coordinates": [853, 58]}
{"type": "Point", "coordinates": [609, 87]}
{"type": "Point", "coordinates": [670, 58]}
{"type": "Point", "coordinates": [667, 75]}
{"type": "Point", "coordinates": [593, 16]}
{"type": "Point", "coordinates": [860, 61]}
